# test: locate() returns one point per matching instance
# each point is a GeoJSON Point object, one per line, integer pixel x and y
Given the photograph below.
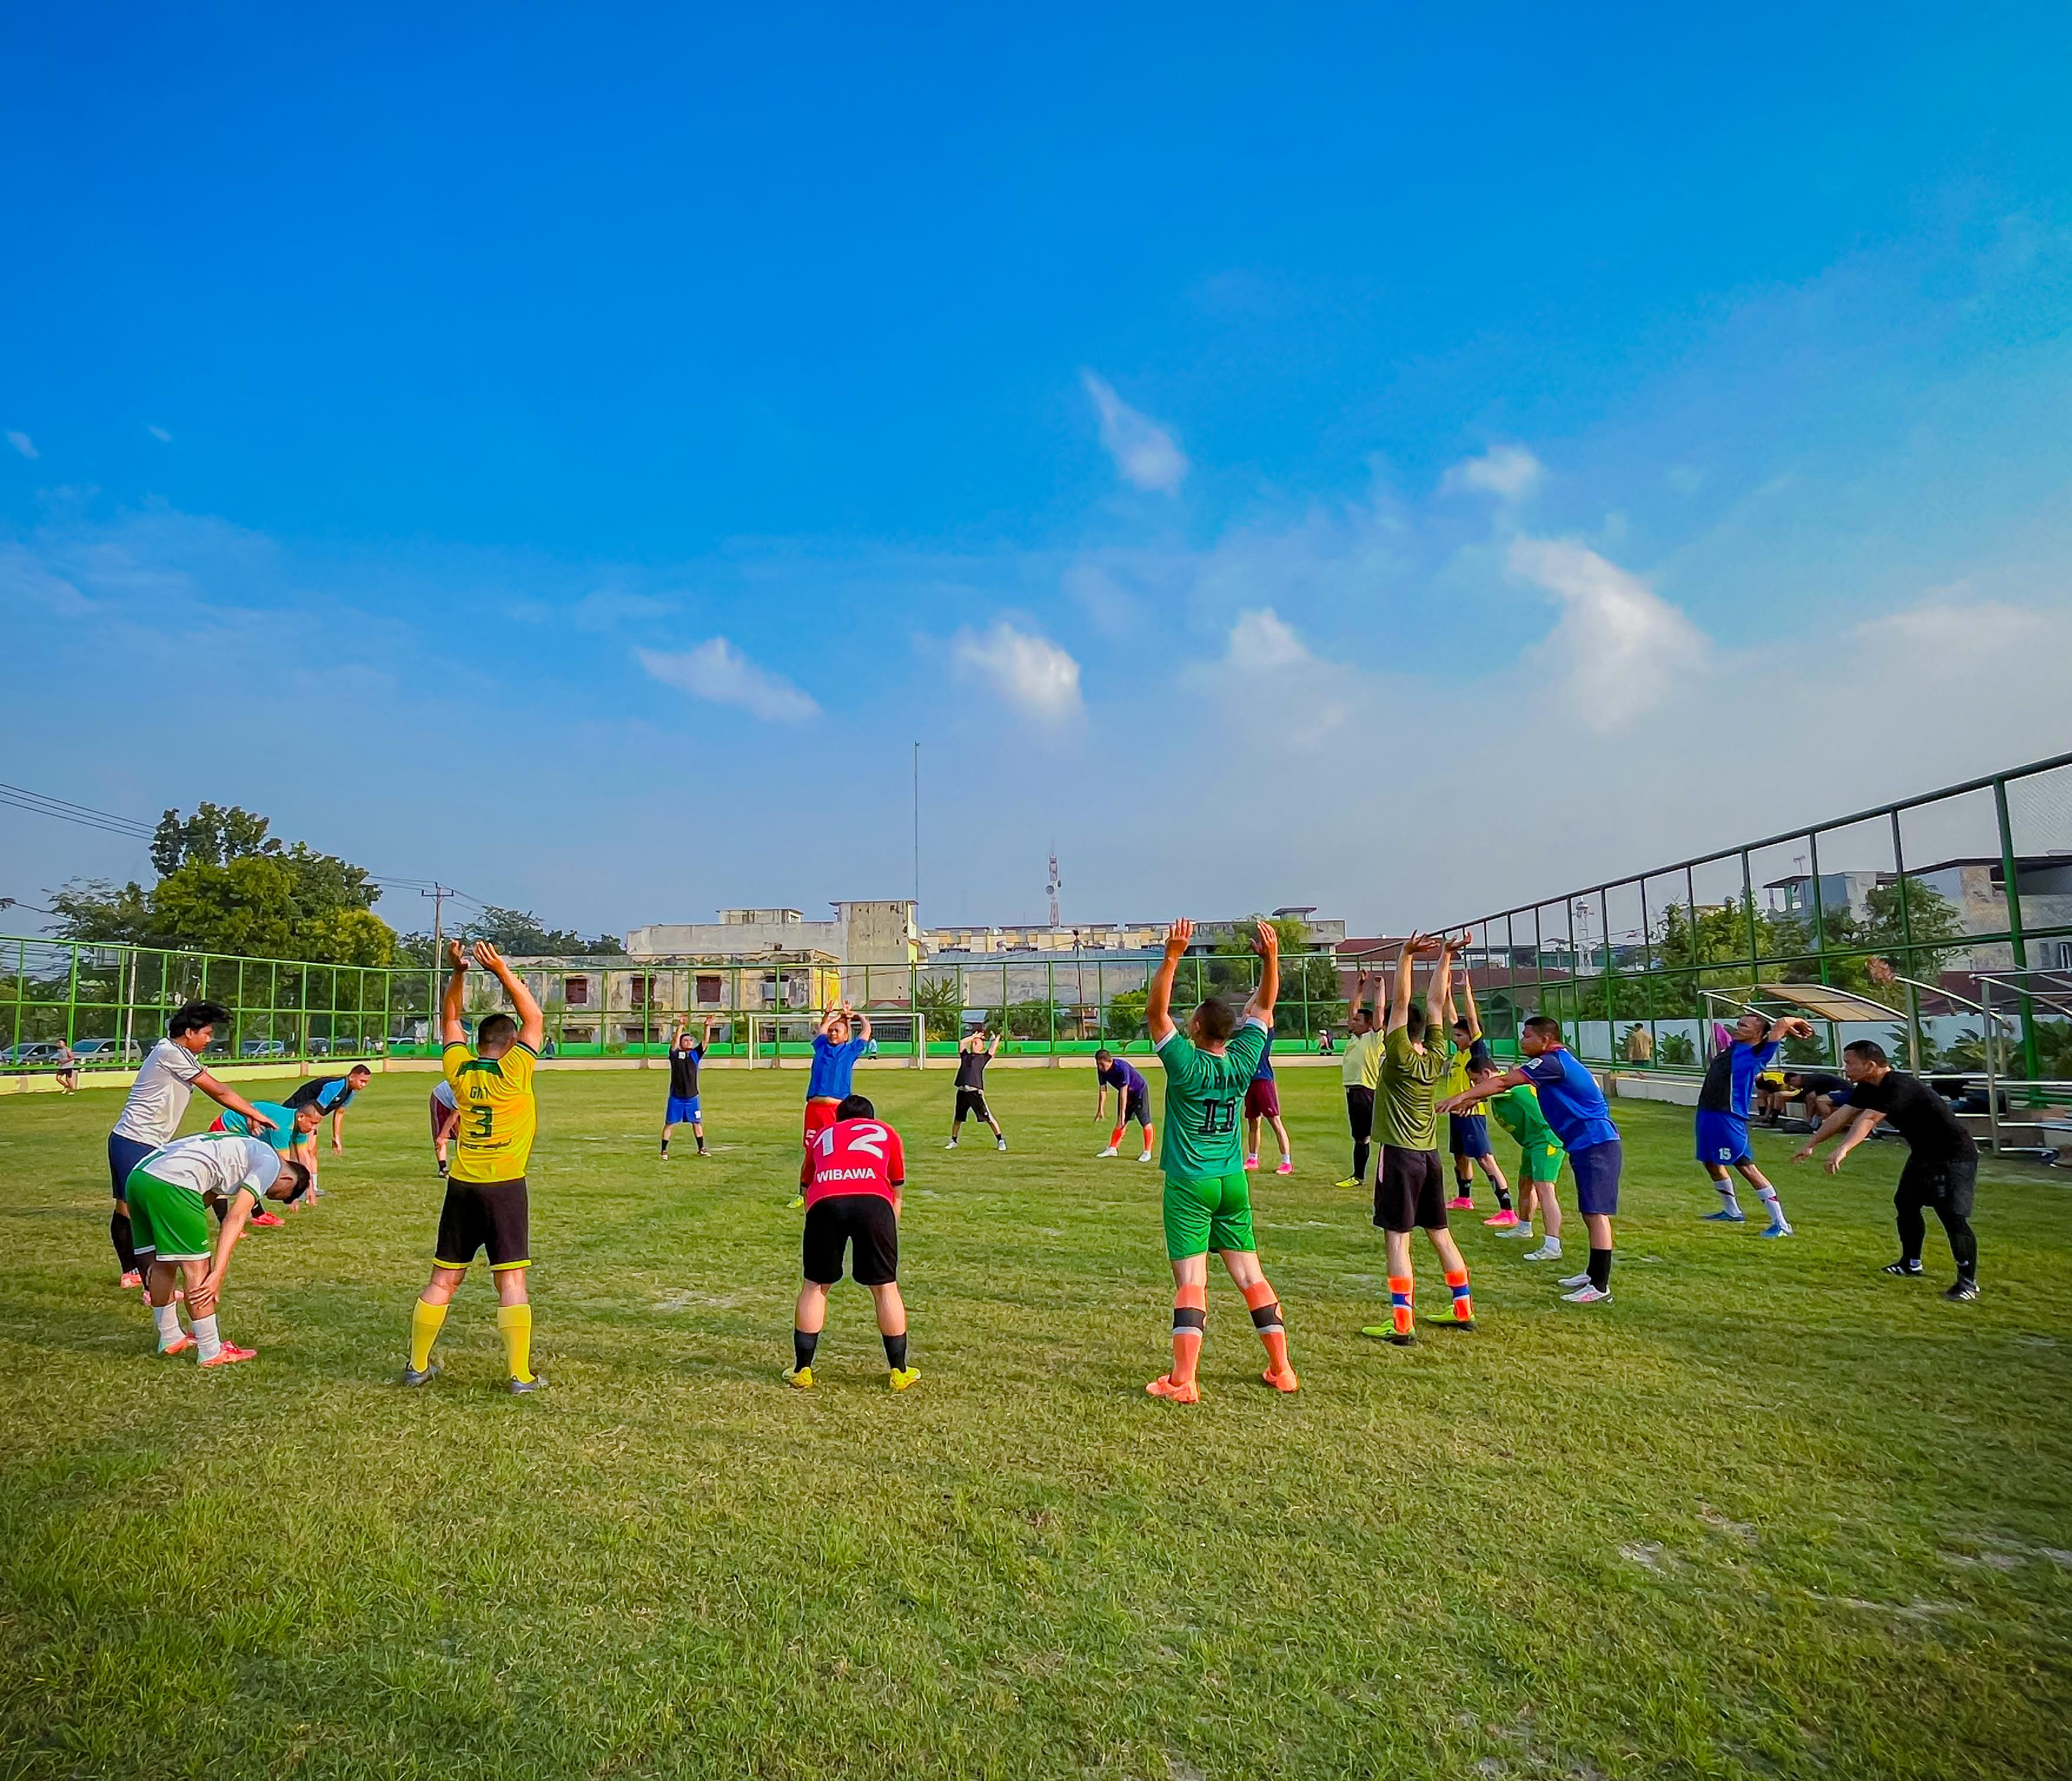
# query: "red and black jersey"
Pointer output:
{"type": "Point", "coordinates": [856, 1156]}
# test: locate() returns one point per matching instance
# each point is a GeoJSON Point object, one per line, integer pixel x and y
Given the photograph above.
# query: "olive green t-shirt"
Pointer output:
{"type": "Point", "coordinates": [1403, 1114]}
{"type": "Point", "coordinates": [1200, 1139]}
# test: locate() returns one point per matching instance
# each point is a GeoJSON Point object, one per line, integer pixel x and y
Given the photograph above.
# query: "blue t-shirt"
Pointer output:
{"type": "Point", "coordinates": [834, 1068]}
{"type": "Point", "coordinates": [1117, 1073]}
{"type": "Point", "coordinates": [1730, 1078]}
{"type": "Point", "coordinates": [1570, 1099]}
{"type": "Point", "coordinates": [330, 1093]}
{"type": "Point", "coordinates": [1264, 1072]}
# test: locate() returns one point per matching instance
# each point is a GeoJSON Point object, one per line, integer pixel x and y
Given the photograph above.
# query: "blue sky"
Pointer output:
{"type": "Point", "coordinates": [1399, 463]}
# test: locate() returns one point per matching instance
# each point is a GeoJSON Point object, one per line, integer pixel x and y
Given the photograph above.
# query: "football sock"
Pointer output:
{"type": "Point", "coordinates": [1464, 1306]}
{"type": "Point", "coordinates": [1359, 1160]}
{"type": "Point", "coordinates": [1266, 1320]}
{"type": "Point", "coordinates": [803, 1343]}
{"type": "Point", "coordinates": [701, 1138]}
{"type": "Point", "coordinates": [425, 1322]}
{"type": "Point", "coordinates": [1115, 1139]}
{"type": "Point", "coordinates": [1287, 1155]}
{"type": "Point", "coordinates": [514, 1323]}
{"type": "Point", "coordinates": [1726, 1194]}
{"type": "Point", "coordinates": [1190, 1317]}
{"type": "Point", "coordinates": [207, 1338]}
{"type": "Point", "coordinates": [1768, 1196]}
{"type": "Point", "coordinates": [1503, 1198]}
{"type": "Point", "coordinates": [167, 1318]}
{"type": "Point", "coordinates": [665, 1147]}
{"type": "Point", "coordinates": [1400, 1287]}
{"type": "Point", "coordinates": [895, 1351]}
{"type": "Point", "coordinates": [119, 1234]}
{"type": "Point", "coordinates": [1601, 1269]}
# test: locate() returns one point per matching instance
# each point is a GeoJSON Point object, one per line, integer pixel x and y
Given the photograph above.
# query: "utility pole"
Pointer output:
{"type": "Point", "coordinates": [917, 834]}
{"type": "Point", "coordinates": [438, 893]}
{"type": "Point", "coordinates": [1051, 887]}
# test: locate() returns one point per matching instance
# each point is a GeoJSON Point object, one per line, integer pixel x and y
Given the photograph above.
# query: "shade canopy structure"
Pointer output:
{"type": "Point", "coordinates": [1823, 1001]}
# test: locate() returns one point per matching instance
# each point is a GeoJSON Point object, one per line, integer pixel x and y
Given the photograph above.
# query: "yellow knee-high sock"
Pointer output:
{"type": "Point", "coordinates": [425, 1322]}
{"type": "Point", "coordinates": [514, 1323]}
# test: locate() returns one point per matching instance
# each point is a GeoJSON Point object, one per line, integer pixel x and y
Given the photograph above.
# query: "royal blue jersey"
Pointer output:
{"type": "Point", "coordinates": [834, 1068]}
{"type": "Point", "coordinates": [1265, 1071]}
{"type": "Point", "coordinates": [1730, 1078]}
{"type": "Point", "coordinates": [1570, 1099]}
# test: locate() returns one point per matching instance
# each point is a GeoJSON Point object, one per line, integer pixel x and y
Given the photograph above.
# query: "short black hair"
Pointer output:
{"type": "Point", "coordinates": [856, 1107]}
{"type": "Point", "coordinates": [1218, 1022]}
{"type": "Point", "coordinates": [495, 1029]}
{"type": "Point", "coordinates": [368, 1069]}
{"type": "Point", "coordinates": [191, 1017]}
{"type": "Point", "coordinates": [1103, 1052]}
{"type": "Point", "coordinates": [1413, 1021]}
{"type": "Point", "coordinates": [1545, 1026]}
{"type": "Point", "coordinates": [1460, 1024]}
{"type": "Point", "coordinates": [304, 1180]}
{"type": "Point", "coordinates": [1868, 1050]}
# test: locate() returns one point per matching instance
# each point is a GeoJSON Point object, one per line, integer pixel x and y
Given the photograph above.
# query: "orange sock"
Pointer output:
{"type": "Point", "coordinates": [1115, 1139]}
{"type": "Point", "coordinates": [1400, 1287]}
{"type": "Point", "coordinates": [1266, 1320]}
{"type": "Point", "coordinates": [1190, 1313]}
{"type": "Point", "coordinates": [1464, 1308]}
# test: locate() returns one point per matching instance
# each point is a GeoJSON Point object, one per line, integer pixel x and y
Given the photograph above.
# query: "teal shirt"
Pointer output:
{"type": "Point", "coordinates": [283, 1137]}
{"type": "Point", "coordinates": [1201, 1139]}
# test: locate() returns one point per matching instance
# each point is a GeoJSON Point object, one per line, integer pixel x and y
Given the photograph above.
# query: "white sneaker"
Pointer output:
{"type": "Point", "coordinates": [1111, 1151]}
{"type": "Point", "coordinates": [1548, 1251]}
{"type": "Point", "coordinates": [951, 1145]}
{"type": "Point", "coordinates": [1575, 1280]}
{"type": "Point", "coordinates": [1586, 1294]}
{"type": "Point", "coordinates": [1145, 1158]}
{"type": "Point", "coordinates": [1000, 1143]}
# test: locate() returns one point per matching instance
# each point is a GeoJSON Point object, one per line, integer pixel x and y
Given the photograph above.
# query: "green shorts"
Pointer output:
{"type": "Point", "coordinates": [167, 1221]}
{"type": "Point", "coordinates": [1213, 1212]}
{"type": "Point", "coordinates": [1540, 1162]}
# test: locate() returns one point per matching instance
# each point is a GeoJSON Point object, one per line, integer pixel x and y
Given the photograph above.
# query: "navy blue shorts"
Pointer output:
{"type": "Point", "coordinates": [1467, 1134]}
{"type": "Point", "coordinates": [682, 1113]}
{"type": "Point", "coordinates": [124, 1154]}
{"type": "Point", "coordinates": [1596, 1168]}
{"type": "Point", "coordinates": [1722, 1139]}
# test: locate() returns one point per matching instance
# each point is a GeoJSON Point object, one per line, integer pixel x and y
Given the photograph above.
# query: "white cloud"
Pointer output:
{"type": "Point", "coordinates": [1620, 647]}
{"type": "Point", "coordinates": [1145, 454]}
{"type": "Point", "coordinates": [160, 434]}
{"type": "Point", "coordinates": [1263, 641]}
{"type": "Point", "coordinates": [1028, 670]}
{"type": "Point", "coordinates": [1509, 472]}
{"type": "Point", "coordinates": [717, 671]}
{"type": "Point", "coordinates": [22, 443]}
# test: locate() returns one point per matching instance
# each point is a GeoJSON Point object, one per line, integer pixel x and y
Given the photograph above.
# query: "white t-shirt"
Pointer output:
{"type": "Point", "coordinates": [443, 1093]}
{"type": "Point", "coordinates": [159, 1097]}
{"type": "Point", "coordinates": [216, 1163]}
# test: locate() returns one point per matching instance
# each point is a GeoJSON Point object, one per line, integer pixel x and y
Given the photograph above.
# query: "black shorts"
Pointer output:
{"type": "Point", "coordinates": [485, 1215]}
{"type": "Point", "coordinates": [1136, 1105]}
{"type": "Point", "coordinates": [1359, 1110]}
{"type": "Point", "coordinates": [971, 1104]}
{"type": "Point", "coordinates": [1945, 1183]}
{"type": "Point", "coordinates": [868, 1220]}
{"type": "Point", "coordinates": [1410, 1192]}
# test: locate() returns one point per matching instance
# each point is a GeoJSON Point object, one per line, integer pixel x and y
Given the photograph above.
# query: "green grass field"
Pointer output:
{"type": "Point", "coordinates": [1769, 1513]}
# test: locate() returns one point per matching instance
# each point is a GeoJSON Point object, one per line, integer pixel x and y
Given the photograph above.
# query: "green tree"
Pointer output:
{"type": "Point", "coordinates": [1125, 1015]}
{"type": "Point", "coordinates": [941, 1001]}
{"type": "Point", "coordinates": [520, 932]}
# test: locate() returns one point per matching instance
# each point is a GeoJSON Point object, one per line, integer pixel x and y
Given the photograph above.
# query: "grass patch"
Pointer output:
{"type": "Point", "coordinates": [1768, 1513]}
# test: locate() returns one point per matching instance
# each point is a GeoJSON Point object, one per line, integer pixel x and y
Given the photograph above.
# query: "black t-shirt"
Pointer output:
{"type": "Point", "coordinates": [1819, 1084]}
{"type": "Point", "coordinates": [971, 1067]}
{"type": "Point", "coordinates": [684, 1072]}
{"type": "Point", "coordinates": [1917, 1112]}
{"type": "Point", "coordinates": [315, 1090]}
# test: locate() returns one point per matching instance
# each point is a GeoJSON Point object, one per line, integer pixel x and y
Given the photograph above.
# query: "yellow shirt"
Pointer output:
{"type": "Point", "coordinates": [1360, 1066]}
{"type": "Point", "coordinates": [499, 1117]}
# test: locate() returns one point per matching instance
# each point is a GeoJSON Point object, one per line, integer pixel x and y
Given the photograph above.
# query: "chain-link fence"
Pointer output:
{"type": "Point", "coordinates": [108, 1004]}
{"type": "Point", "coordinates": [1944, 921]}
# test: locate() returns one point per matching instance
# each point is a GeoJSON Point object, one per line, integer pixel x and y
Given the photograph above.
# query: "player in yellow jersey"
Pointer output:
{"type": "Point", "coordinates": [486, 1205]}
